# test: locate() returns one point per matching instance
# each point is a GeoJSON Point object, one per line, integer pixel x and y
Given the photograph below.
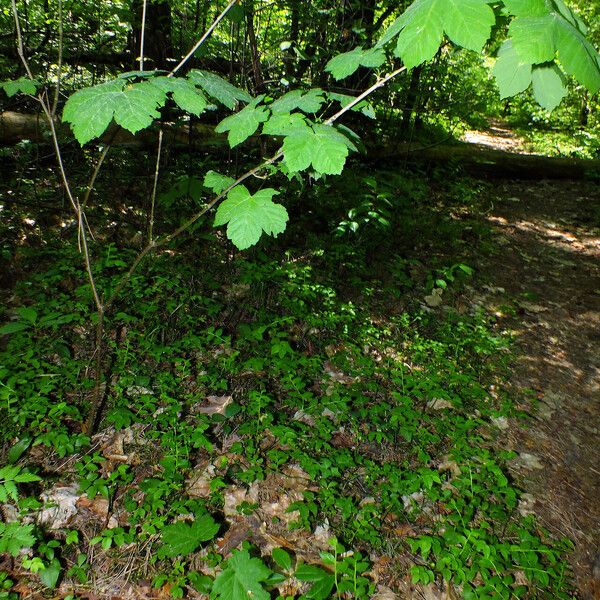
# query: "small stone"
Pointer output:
{"type": "Point", "coordinates": [500, 422]}
{"type": "Point", "coordinates": [529, 461]}
{"type": "Point", "coordinates": [526, 504]}
{"type": "Point", "coordinates": [61, 506]}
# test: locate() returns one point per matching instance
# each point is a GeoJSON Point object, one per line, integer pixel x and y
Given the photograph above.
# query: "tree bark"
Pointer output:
{"type": "Point", "coordinates": [16, 127]}
{"type": "Point", "coordinates": [158, 47]}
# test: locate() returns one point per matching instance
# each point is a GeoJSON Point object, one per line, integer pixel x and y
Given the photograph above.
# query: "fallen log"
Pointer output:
{"type": "Point", "coordinates": [474, 158]}
{"type": "Point", "coordinates": [479, 159]}
{"type": "Point", "coordinates": [16, 127]}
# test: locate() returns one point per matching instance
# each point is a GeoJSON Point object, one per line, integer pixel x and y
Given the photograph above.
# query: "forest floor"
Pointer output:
{"type": "Point", "coordinates": [550, 235]}
{"type": "Point", "coordinates": [320, 385]}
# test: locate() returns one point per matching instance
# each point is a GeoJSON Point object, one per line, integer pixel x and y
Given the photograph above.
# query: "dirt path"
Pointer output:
{"type": "Point", "coordinates": [498, 136]}
{"type": "Point", "coordinates": [549, 259]}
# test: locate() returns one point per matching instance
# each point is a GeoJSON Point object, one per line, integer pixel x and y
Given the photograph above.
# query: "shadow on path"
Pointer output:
{"type": "Point", "coordinates": [549, 259]}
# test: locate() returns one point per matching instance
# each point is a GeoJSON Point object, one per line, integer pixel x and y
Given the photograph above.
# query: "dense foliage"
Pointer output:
{"type": "Point", "coordinates": [277, 419]}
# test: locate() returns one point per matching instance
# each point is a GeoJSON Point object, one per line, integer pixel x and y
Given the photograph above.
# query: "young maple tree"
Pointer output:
{"type": "Point", "coordinates": [545, 41]}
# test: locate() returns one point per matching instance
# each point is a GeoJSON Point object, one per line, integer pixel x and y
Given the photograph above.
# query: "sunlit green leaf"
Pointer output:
{"type": "Point", "coordinates": [512, 74]}
{"type": "Point", "coordinates": [134, 107]}
{"type": "Point", "coordinates": [23, 85]}
{"type": "Point", "coordinates": [343, 65]}
{"type": "Point", "coordinates": [309, 102]}
{"type": "Point", "coordinates": [549, 86]}
{"type": "Point", "coordinates": [321, 146]}
{"type": "Point", "coordinates": [241, 579]}
{"type": "Point", "coordinates": [14, 537]}
{"type": "Point", "coordinates": [218, 88]}
{"type": "Point", "coordinates": [216, 182]}
{"type": "Point", "coordinates": [244, 123]}
{"type": "Point", "coordinates": [247, 216]}
{"type": "Point", "coordinates": [421, 27]}
{"type": "Point", "coordinates": [184, 92]}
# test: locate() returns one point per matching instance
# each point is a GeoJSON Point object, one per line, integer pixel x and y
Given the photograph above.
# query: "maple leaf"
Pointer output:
{"type": "Point", "coordinates": [241, 579]}
{"type": "Point", "coordinates": [247, 216]}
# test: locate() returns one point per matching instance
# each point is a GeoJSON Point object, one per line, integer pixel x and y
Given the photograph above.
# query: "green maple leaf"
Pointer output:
{"type": "Point", "coordinates": [548, 86]}
{"type": "Point", "coordinates": [321, 146]}
{"type": "Point", "coordinates": [14, 537]}
{"type": "Point", "coordinates": [181, 539]}
{"type": "Point", "coordinates": [343, 65]}
{"type": "Point", "coordinates": [247, 216]}
{"type": "Point", "coordinates": [241, 579]}
{"type": "Point", "coordinates": [216, 182]}
{"type": "Point", "coordinates": [91, 110]}
{"type": "Point", "coordinates": [23, 85]}
{"type": "Point", "coordinates": [331, 150]}
{"type": "Point", "coordinates": [309, 102]}
{"type": "Point", "coordinates": [542, 35]}
{"type": "Point", "coordinates": [526, 8]}
{"type": "Point", "coordinates": [219, 89]}
{"type": "Point", "coordinates": [244, 123]}
{"type": "Point", "coordinates": [184, 92]}
{"type": "Point", "coordinates": [512, 74]}
{"type": "Point", "coordinates": [136, 107]}
{"type": "Point", "coordinates": [420, 29]}
{"type": "Point", "coordinates": [284, 123]}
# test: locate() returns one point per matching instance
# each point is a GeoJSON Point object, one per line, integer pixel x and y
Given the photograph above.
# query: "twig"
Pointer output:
{"type": "Point", "coordinates": [92, 181]}
{"type": "Point", "coordinates": [60, 59]}
{"type": "Point", "coordinates": [154, 187]}
{"type": "Point", "coordinates": [143, 34]}
{"type": "Point", "coordinates": [203, 38]}
{"type": "Point", "coordinates": [20, 48]}
{"type": "Point", "coordinates": [379, 83]}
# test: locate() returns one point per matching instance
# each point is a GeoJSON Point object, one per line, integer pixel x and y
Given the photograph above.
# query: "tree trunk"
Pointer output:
{"type": "Point", "coordinates": [254, 54]}
{"type": "Point", "coordinates": [411, 100]}
{"type": "Point", "coordinates": [16, 127]}
{"type": "Point", "coordinates": [158, 47]}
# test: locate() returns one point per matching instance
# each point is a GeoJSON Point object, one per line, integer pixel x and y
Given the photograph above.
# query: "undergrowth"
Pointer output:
{"type": "Point", "coordinates": [311, 419]}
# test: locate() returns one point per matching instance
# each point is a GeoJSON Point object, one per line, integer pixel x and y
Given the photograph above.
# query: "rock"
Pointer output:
{"type": "Point", "coordinates": [528, 461]}
{"type": "Point", "coordinates": [526, 504]}
{"type": "Point", "coordinates": [500, 422]}
{"type": "Point", "coordinates": [62, 506]}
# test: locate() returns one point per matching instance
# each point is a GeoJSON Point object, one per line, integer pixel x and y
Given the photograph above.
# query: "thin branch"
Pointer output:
{"type": "Point", "coordinates": [88, 263]}
{"type": "Point", "coordinates": [154, 187]}
{"type": "Point", "coordinates": [92, 181]}
{"type": "Point", "coordinates": [60, 59]}
{"type": "Point", "coordinates": [20, 48]}
{"type": "Point", "coordinates": [379, 83]}
{"type": "Point", "coordinates": [143, 34]}
{"type": "Point", "coordinates": [203, 38]}
{"type": "Point", "coordinates": [74, 202]}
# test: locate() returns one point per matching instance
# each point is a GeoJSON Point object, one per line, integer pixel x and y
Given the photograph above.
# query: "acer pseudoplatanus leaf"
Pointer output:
{"type": "Point", "coordinates": [248, 216]}
{"type": "Point", "coordinates": [135, 105]}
